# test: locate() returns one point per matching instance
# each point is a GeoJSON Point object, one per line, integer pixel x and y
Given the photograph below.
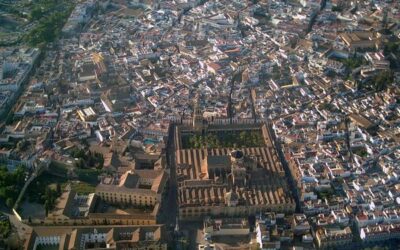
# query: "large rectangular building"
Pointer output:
{"type": "Point", "coordinates": [139, 188]}
{"type": "Point", "coordinates": [97, 237]}
{"type": "Point", "coordinates": [228, 170]}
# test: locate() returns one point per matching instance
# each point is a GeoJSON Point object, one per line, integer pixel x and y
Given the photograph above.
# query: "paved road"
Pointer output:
{"type": "Point", "coordinates": [290, 180]}
{"type": "Point", "coordinates": [169, 211]}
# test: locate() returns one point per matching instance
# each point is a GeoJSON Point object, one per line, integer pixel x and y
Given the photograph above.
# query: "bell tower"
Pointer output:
{"type": "Point", "coordinates": [197, 115]}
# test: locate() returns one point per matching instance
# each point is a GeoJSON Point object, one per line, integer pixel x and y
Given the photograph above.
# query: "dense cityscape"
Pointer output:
{"type": "Point", "coordinates": [199, 124]}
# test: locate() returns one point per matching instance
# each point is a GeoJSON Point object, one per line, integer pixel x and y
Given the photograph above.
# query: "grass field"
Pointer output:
{"type": "Point", "coordinates": [82, 187]}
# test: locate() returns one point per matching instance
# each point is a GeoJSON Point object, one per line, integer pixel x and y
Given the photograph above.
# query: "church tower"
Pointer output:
{"type": "Point", "coordinates": [197, 115]}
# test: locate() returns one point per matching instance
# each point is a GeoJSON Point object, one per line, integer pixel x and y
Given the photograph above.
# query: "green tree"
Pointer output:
{"type": "Point", "coordinates": [99, 160]}
{"type": "Point", "coordinates": [19, 175]}
{"type": "Point", "coordinates": [392, 47]}
{"type": "Point", "coordinates": [78, 153]}
{"type": "Point", "coordinates": [353, 62]}
{"type": "Point", "coordinates": [381, 80]}
{"type": "Point", "coordinates": [10, 202]}
{"type": "Point", "coordinates": [10, 118]}
{"type": "Point", "coordinates": [5, 229]}
{"type": "Point", "coordinates": [48, 28]}
{"type": "Point", "coordinates": [11, 184]}
{"type": "Point", "coordinates": [243, 136]}
{"type": "Point", "coordinates": [50, 198]}
{"type": "Point", "coordinates": [22, 145]}
{"type": "Point", "coordinates": [47, 207]}
{"type": "Point", "coordinates": [36, 13]}
{"type": "Point", "coordinates": [80, 163]}
{"type": "Point", "coordinates": [58, 189]}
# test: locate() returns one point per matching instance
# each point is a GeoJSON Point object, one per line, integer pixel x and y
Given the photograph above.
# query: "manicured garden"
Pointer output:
{"type": "Point", "coordinates": [48, 186]}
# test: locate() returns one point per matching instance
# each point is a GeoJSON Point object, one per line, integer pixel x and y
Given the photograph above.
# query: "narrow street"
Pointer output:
{"type": "Point", "coordinates": [237, 76]}
{"type": "Point", "coordinates": [169, 211]}
{"type": "Point", "coordinates": [291, 182]}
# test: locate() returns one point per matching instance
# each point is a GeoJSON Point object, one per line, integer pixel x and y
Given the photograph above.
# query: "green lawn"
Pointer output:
{"type": "Point", "coordinates": [82, 187]}
{"type": "Point", "coordinates": [89, 175]}
{"type": "Point", "coordinates": [85, 183]}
